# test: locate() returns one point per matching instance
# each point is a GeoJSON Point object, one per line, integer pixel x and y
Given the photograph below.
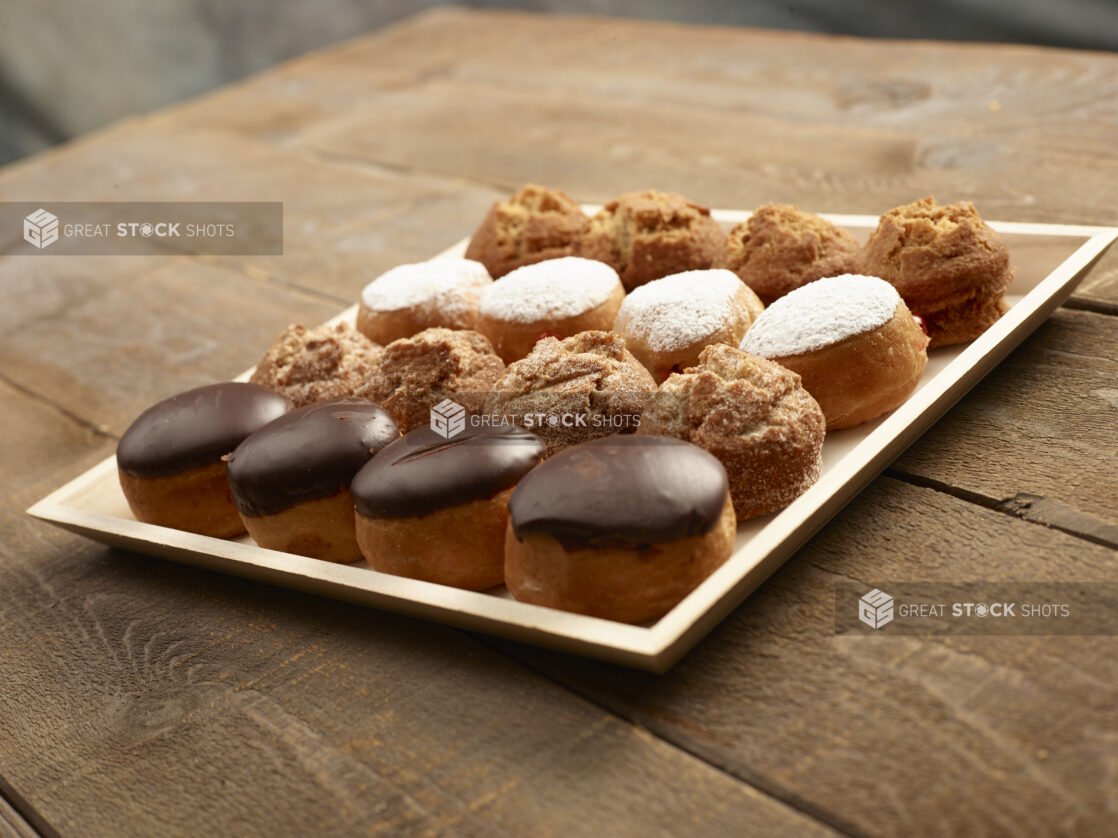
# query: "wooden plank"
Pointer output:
{"type": "Point", "coordinates": [108, 357]}
{"type": "Point", "coordinates": [145, 698]}
{"type": "Point", "coordinates": [343, 224]}
{"type": "Point", "coordinates": [12, 823]}
{"type": "Point", "coordinates": [1038, 436]}
{"type": "Point", "coordinates": [895, 735]}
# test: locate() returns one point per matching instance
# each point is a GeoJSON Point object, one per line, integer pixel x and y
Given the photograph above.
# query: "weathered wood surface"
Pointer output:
{"type": "Point", "coordinates": [145, 698]}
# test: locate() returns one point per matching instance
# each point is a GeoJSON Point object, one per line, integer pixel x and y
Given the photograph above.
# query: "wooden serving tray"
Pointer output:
{"type": "Point", "coordinates": [1050, 259]}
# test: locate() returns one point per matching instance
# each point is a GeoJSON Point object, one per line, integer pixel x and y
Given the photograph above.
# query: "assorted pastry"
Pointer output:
{"type": "Point", "coordinates": [584, 407]}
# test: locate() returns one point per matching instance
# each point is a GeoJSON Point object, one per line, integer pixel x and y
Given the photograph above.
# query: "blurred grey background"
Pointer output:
{"type": "Point", "coordinates": [69, 66]}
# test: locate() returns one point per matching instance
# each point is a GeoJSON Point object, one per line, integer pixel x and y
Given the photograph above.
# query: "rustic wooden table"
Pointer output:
{"type": "Point", "coordinates": [139, 697]}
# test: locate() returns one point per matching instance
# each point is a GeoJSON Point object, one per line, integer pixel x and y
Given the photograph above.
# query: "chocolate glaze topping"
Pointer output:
{"type": "Point", "coordinates": [422, 473]}
{"type": "Point", "coordinates": [310, 453]}
{"type": "Point", "coordinates": [196, 428]}
{"type": "Point", "coordinates": [621, 491]}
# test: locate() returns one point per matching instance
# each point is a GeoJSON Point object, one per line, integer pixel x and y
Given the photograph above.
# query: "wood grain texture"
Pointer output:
{"type": "Point", "coordinates": [200, 704]}
{"type": "Point", "coordinates": [895, 735]}
{"type": "Point", "coordinates": [144, 698]}
{"type": "Point", "coordinates": [1038, 436]}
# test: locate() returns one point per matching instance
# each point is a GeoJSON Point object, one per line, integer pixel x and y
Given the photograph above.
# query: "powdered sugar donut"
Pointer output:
{"type": "Point", "coordinates": [852, 340]}
{"type": "Point", "coordinates": [556, 298]}
{"type": "Point", "coordinates": [666, 323]}
{"type": "Point", "coordinates": [410, 298]}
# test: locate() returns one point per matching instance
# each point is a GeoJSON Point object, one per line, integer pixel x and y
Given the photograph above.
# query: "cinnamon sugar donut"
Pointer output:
{"type": "Point", "coordinates": [569, 391]}
{"type": "Point", "coordinates": [535, 224]}
{"type": "Point", "coordinates": [649, 234]}
{"type": "Point", "coordinates": [950, 267]}
{"type": "Point", "coordinates": [557, 298]}
{"type": "Point", "coordinates": [417, 373]}
{"type": "Point", "coordinates": [754, 416]}
{"type": "Point", "coordinates": [410, 298]}
{"type": "Point", "coordinates": [781, 248]}
{"type": "Point", "coordinates": [851, 339]}
{"type": "Point", "coordinates": [313, 365]}
{"type": "Point", "coordinates": [666, 323]}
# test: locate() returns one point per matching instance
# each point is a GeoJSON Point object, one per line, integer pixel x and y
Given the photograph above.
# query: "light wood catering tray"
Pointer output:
{"type": "Point", "coordinates": [1050, 260]}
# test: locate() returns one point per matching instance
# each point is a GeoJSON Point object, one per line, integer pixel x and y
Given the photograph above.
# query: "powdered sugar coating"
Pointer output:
{"type": "Point", "coordinates": [821, 313]}
{"type": "Point", "coordinates": [680, 310]}
{"type": "Point", "coordinates": [551, 290]}
{"type": "Point", "coordinates": [450, 283]}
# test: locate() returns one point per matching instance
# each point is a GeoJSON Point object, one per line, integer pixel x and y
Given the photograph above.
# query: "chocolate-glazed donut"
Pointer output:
{"type": "Point", "coordinates": [290, 480]}
{"type": "Point", "coordinates": [619, 527]}
{"type": "Point", "coordinates": [170, 459]}
{"type": "Point", "coordinates": [424, 492]}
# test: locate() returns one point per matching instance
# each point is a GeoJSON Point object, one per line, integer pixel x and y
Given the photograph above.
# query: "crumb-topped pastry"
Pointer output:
{"type": "Point", "coordinates": [170, 459]}
{"type": "Point", "coordinates": [569, 391]}
{"type": "Point", "coordinates": [410, 298]}
{"type": "Point", "coordinates": [666, 323]}
{"type": "Point", "coordinates": [754, 416]}
{"type": "Point", "coordinates": [556, 298]}
{"type": "Point", "coordinates": [416, 373]}
{"type": "Point", "coordinates": [535, 224]}
{"type": "Point", "coordinates": [621, 528]}
{"type": "Point", "coordinates": [313, 365]}
{"type": "Point", "coordinates": [649, 234]}
{"type": "Point", "coordinates": [950, 267]}
{"type": "Point", "coordinates": [781, 248]}
{"type": "Point", "coordinates": [853, 341]}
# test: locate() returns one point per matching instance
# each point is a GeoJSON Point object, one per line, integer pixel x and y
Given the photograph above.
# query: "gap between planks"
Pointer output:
{"type": "Point", "coordinates": [18, 818]}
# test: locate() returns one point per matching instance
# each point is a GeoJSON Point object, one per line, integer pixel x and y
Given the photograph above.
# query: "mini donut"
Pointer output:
{"type": "Point", "coordinates": [314, 365]}
{"type": "Point", "coordinates": [781, 248]}
{"type": "Point", "coordinates": [851, 339]}
{"type": "Point", "coordinates": [568, 391]}
{"type": "Point", "coordinates": [621, 527]}
{"type": "Point", "coordinates": [425, 492]}
{"type": "Point", "coordinates": [535, 224]}
{"type": "Point", "coordinates": [557, 298]}
{"type": "Point", "coordinates": [411, 298]}
{"type": "Point", "coordinates": [290, 480]}
{"type": "Point", "coordinates": [666, 323]}
{"type": "Point", "coordinates": [754, 416]}
{"type": "Point", "coordinates": [649, 234]}
{"type": "Point", "coordinates": [950, 267]}
{"type": "Point", "coordinates": [417, 373]}
{"type": "Point", "coordinates": [169, 461]}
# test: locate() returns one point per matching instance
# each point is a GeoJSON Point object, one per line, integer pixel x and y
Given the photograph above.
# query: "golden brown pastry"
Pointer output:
{"type": "Point", "coordinates": [170, 464]}
{"type": "Point", "coordinates": [781, 248]}
{"type": "Point", "coordinates": [290, 479]}
{"type": "Point", "coordinates": [569, 391]}
{"type": "Point", "coordinates": [313, 365]}
{"type": "Point", "coordinates": [557, 298]}
{"type": "Point", "coordinates": [950, 267]}
{"type": "Point", "coordinates": [649, 234]}
{"type": "Point", "coordinates": [435, 509]}
{"type": "Point", "coordinates": [410, 298]}
{"type": "Point", "coordinates": [754, 416]}
{"type": "Point", "coordinates": [417, 373]}
{"type": "Point", "coordinates": [535, 224]}
{"type": "Point", "coordinates": [666, 323]}
{"type": "Point", "coordinates": [622, 527]}
{"type": "Point", "coordinates": [852, 340]}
